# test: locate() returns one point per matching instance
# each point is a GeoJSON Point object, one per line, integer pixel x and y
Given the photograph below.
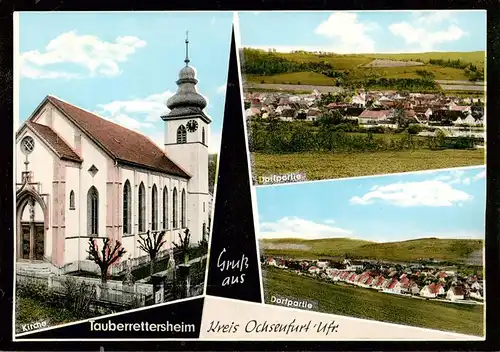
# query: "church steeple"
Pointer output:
{"type": "Point", "coordinates": [186, 60]}
{"type": "Point", "coordinates": [186, 101]}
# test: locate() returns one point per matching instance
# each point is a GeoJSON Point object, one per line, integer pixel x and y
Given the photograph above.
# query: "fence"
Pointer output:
{"type": "Point", "coordinates": [175, 286]}
{"type": "Point", "coordinates": [113, 292]}
{"type": "Point", "coordinates": [197, 281]}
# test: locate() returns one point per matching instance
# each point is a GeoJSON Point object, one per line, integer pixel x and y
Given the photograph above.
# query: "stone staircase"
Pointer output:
{"type": "Point", "coordinates": [33, 268]}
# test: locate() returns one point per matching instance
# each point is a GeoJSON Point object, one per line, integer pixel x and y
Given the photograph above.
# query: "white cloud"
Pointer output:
{"type": "Point", "coordinates": [428, 29]}
{"type": "Point", "coordinates": [432, 193]}
{"type": "Point", "coordinates": [294, 227]}
{"type": "Point", "coordinates": [434, 17]}
{"type": "Point", "coordinates": [97, 57]}
{"type": "Point", "coordinates": [329, 221]}
{"type": "Point", "coordinates": [222, 89]}
{"type": "Point", "coordinates": [479, 176]}
{"type": "Point", "coordinates": [454, 177]}
{"type": "Point", "coordinates": [147, 109]}
{"type": "Point", "coordinates": [349, 34]}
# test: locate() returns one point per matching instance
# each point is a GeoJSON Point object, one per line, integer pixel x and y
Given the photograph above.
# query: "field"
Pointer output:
{"type": "Point", "coordinates": [360, 67]}
{"type": "Point", "coordinates": [451, 250]}
{"type": "Point", "coordinates": [440, 73]}
{"type": "Point", "coordinates": [346, 62]}
{"type": "Point", "coordinates": [392, 63]}
{"type": "Point", "coordinates": [325, 165]}
{"type": "Point", "coordinates": [369, 304]}
{"type": "Point", "coordinates": [310, 78]}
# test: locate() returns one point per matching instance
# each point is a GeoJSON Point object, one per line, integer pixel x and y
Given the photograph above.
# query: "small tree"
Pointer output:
{"type": "Point", "coordinates": [151, 243]}
{"type": "Point", "coordinates": [107, 256]}
{"type": "Point", "coordinates": [183, 245]}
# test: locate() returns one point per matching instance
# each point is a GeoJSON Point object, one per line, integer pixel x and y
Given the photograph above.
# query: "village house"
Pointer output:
{"type": "Point", "coordinates": [373, 117]}
{"type": "Point", "coordinates": [393, 287]}
{"type": "Point", "coordinates": [432, 291]}
{"type": "Point", "coordinates": [455, 293]}
{"type": "Point", "coordinates": [314, 270]}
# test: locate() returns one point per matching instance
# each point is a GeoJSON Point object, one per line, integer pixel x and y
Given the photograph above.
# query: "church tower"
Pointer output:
{"type": "Point", "coordinates": [187, 129]}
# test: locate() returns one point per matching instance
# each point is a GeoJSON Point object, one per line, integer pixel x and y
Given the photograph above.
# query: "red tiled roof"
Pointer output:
{"type": "Point", "coordinates": [410, 113]}
{"type": "Point", "coordinates": [122, 144]}
{"type": "Point", "coordinates": [63, 150]}
{"type": "Point", "coordinates": [458, 290]}
{"type": "Point", "coordinates": [380, 281]}
{"type": "Point", "coordinates": [375, 114]}
{"type": "Point", "coordinates": [392, 284]}
{"type": "Point", "coordinates": [434, 288]}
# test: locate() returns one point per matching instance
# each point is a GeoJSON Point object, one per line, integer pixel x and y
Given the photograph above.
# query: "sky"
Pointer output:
{"type": "Point", "coordinates": [123, 66]}
{"type": "Point", "coordinates": [365, 31]}
{"type": "Point", "coordinates": [443, 204]}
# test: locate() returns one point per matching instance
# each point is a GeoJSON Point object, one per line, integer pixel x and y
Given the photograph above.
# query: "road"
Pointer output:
{"type": "Point", "coordinates": [445, 85]}
{"type": "Point", "coordinates": [446, 81]}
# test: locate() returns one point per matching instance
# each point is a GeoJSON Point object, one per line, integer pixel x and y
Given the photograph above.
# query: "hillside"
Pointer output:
{"type": "Point", "coordinates": [453, 250]}
{"type": "Point", "coordinates": [328, 69]}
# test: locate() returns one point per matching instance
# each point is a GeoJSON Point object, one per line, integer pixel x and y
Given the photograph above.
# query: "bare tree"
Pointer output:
{"type": "Point", "coordinates": [151, 243]}
{"type": "Point", "coordinates": [108, 255]}
{"type": "Point", "coordinates": [183, 245]}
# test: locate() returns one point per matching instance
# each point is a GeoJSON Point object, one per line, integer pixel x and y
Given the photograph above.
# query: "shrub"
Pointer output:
{"type": "Point", "coordinates": [79, 297]}
{"type": "Point", "coordinates": [376, 129]}
{"type": "Point", "coordinates": [414, 129]}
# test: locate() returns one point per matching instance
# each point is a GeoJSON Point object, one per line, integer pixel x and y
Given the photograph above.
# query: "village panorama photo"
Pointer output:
{"type": "Point", "coordinates": [344, 94]}
{"type": "Point", "coordinates": [117, 136]}
{"type": "Point", "coordinates": [404, 249]}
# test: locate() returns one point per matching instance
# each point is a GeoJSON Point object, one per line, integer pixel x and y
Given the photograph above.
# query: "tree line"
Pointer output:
{"type": "Point", "coordinates": [470, 70]}
{"type": "Point", "coordinates": [259, 62]}
{"type": "Point", "coordinates": [279, 137]}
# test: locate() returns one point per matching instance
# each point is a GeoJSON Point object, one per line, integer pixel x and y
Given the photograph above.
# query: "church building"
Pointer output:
{"type": "Point", "coordinates": [79, 175]}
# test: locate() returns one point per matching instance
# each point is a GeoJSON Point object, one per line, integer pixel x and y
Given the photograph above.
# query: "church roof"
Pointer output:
{"type": "Point", "coordinates": [62, 149]}
{"type": "Point", "coordinates": [120, 143]}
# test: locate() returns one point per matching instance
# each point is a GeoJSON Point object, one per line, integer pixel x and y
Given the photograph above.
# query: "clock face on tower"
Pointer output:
{"type": "Point", "coordinates": [192, 125]}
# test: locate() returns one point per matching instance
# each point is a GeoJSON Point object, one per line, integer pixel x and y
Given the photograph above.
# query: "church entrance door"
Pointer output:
{"type": "Point", "coordinates": [33, 240]}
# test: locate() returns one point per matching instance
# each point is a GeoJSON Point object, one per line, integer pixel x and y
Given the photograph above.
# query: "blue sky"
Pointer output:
{"type": "Point", "coordinates": [443, 204]}
{"type": "Point", "coordinates": [365, 32]}
{"type": "Point", "coordinates": [123, 66]}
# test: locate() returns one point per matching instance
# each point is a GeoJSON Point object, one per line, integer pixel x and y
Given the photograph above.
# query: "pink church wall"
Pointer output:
{"type": "Point", "coordinates": [58, 207]}
{"type": "Point", "coordinates": [114, 202]}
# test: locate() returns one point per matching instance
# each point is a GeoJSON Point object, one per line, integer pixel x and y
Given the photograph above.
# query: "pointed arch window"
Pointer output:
{"type": "Point", "coordinates": [142, 208]}
{"type": "Point", "coordinates": [93, 211]}
{"type": "Point", "coordinates": [203, 135]}
{"type": "Point", "coordinates": [165, 208]}
{"type": "Point", "coordinates": [183, 208]}
{"type": "Point", "coordinates": [127, 208]}
{"type": "Point", "coordinates": [154, 208]}
{"type": "Point", "coordinates": [72, 200]}
{"type": "Point", "coordinates": [181, 134]}
{"type": "Point", "coordinates": [174, 208]}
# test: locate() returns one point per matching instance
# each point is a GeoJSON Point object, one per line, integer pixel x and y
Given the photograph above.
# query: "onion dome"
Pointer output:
{"type": "Point", "coordinates": [186, 101]}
